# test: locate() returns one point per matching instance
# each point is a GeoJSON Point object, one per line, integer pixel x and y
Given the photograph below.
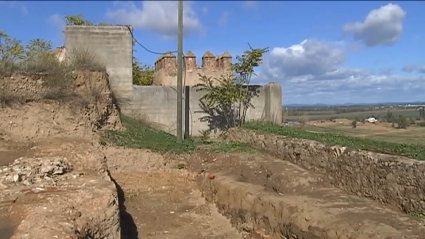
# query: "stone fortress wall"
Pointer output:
{"type": "Point", "coordinates": [212, 66]}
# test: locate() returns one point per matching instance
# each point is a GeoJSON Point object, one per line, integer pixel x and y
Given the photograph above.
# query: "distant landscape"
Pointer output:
{"type": "Point", "coordinates": [395, 122]}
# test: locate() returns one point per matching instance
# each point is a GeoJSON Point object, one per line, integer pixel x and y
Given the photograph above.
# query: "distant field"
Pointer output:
{"type": "Point", "coordinates": [377, 113]}
{"type": "Point", "coordinates": [411, 135]}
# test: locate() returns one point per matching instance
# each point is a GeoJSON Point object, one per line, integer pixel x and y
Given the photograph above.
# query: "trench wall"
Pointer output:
{"type": "Point", "coordinates": [394, 180]}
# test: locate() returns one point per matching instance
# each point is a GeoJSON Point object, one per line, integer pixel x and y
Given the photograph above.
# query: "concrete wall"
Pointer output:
{"type": "Point", "coordinates": [113, 47]}
{"type": "Point", "coordinates": [157, 104]}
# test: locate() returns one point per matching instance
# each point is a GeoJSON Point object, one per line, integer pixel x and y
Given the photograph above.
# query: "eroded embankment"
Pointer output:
{"type": "Point", "coordinates": [54, 181]}
{"type": "Point", "coordinates": [389, 179]}
{"type": "Point", "coordinates": [271, 198]}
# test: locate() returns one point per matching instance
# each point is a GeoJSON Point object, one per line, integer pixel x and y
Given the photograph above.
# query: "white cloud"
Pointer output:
{"type": "Point", "coordinates": [57, 21]}
{"type": "Point", "coordinates": [157, 16]}
{"type": "Point", "coordinates": [312, 72]}
{"type": "Point", "coordinates": [223, 18]}
{"type": "Point", "coordinates": [382, 26]}
{"type": "Point", "coordinates": [310, 57]}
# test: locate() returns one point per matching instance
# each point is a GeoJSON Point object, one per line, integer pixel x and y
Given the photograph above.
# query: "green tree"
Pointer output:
{"type": "Point", "coordinates": [11, 50]}
{"type": "Point", "coordinates": [142, 74]}
{"type": "Point", "coordinates": [402, 122]}
{"type": "Point", "coordinates": [228, 97]}
{"type": "Point", "coordinates": [390, 117]}
{"type": "Point", "coordinates": [37, 48]}
{"type": "Point", "coordinates": [77, 20]}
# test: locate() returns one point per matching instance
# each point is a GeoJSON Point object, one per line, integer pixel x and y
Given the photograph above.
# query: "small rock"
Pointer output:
{"type": "Point", "coordinates": [16, 178]}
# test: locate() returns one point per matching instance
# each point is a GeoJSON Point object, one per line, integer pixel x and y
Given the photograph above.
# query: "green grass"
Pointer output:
{"type": "Point", "coordinates": [408, 150]}
{"type": "Point", "coordinates": [139, 135]}
{"type": "Point", "coordinates": [229, 147]}
{"type": "Point", "coordinates": [353, 115]}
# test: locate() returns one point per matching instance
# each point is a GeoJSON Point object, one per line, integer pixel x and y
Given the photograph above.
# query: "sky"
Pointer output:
{"type": "Point", "coordinates": [332, 52]}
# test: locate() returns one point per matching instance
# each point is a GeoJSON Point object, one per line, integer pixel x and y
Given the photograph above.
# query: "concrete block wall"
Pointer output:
{"type": "Point", "coordinates": [112, 45]}
{"type": "Point", "coordinates": [157, 105]}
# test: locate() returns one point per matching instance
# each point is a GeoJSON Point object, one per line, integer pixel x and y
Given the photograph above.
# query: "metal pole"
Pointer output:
{"type": "Point", "coordinates": [180, 73]}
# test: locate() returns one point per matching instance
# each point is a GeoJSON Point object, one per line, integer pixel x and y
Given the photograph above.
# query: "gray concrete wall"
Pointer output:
{"type": "Point", "coordinates": [157, 105]}
{"type": "Point", "coordinates": [112, 45]}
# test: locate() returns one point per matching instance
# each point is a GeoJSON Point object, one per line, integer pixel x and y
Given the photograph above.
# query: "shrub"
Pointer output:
{"type": "Point", "coordinates": [83, 59]}
{"type": "Point", "coordinates": [354, 124]}
{"type": "Point", "coordinates": [421, 124]}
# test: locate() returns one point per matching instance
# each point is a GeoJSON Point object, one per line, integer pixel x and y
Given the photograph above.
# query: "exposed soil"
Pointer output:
{"type": "Point", "coordinates": [259, 195]}
{"type": "Point", "coordinates": [162, 202]}
{"type": "Point", "coordinates": [266, 196]}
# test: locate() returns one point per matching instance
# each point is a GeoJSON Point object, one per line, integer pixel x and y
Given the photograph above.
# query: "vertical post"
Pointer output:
{"type": "Point", "coordinates": [186, 112]}
{"type": "Point", "coordinates": [180, 73]}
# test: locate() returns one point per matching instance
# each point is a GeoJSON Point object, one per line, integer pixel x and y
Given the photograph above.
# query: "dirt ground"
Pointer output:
{"type": "Point", "coordinates": [198, 195]}
{"type": "Point", "coordinates": [161, 201]}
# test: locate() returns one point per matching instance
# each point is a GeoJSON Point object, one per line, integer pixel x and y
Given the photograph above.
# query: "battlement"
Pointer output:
{"type": "Point", "coordinates": [220, 63]}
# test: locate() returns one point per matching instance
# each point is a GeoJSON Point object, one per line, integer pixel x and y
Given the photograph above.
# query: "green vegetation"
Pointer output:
{"type": "Point", "coordinates": [419, 215]}
{"type": "Point", "coordinates": [228, 147]}
{"type": "Point", "coordinates": [228, 97]}
{"type": "Point", "coordinates": [37, 58]}
{"type": "Point", "coordinates": [408, 150]}
{"type": "Point", "coordinates": [379, 114]}
{"type": "Point", "coordinates": [141, 136]}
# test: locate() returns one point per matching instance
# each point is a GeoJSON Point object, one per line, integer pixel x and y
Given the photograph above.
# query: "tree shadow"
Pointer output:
{"type": "Point", "coordinates": [219, 119]}
{"type": "Point", "coordinates": [127, 224]}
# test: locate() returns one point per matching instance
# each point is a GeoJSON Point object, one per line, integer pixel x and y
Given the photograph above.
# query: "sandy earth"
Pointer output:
{"type": "Point", "coordinates": [161, 201]}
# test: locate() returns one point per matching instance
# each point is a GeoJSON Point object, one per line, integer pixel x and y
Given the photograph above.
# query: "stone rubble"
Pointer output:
{"type": "Point", "coordinates": [29, 171]}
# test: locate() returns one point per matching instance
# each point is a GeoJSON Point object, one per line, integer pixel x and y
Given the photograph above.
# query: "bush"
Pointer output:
{"type": "Point", "coordinates": [421, 124]}
{"type": "Point", "coordinates": [83, 59]}
{"type": "Point", "coordinates": [354, 124]}
{"type": "Point", "coordinates": [402, 122]}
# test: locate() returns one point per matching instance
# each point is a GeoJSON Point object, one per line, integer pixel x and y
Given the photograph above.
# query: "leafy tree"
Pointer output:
{"type": "Point", "coordinates": [77, 20]}
{"type": "Point", "coordinates": [422, 112]}
{"type": "Point", "coordinates": [142, 74]}
{"type": "Point", "coordinates": [11, 50]}
{"type": "Point", "coordinates": [36, 48]}
{"type": "Point", "coordinates": [39, 57]}
{"type": "Point", "coordinates": [402, 122]}
{"type": "Point", "coordinates": [390, 116]}
{"type": "Point", "coordinates": [228, 97]}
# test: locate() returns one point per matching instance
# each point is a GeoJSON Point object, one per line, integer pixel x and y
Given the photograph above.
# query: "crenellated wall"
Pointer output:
{"type": "Point", "coordinates": [214, 66]}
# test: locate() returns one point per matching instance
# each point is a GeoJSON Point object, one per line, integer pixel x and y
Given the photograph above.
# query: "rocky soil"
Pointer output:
{"type": "Point", "coordinates": [54, 181]}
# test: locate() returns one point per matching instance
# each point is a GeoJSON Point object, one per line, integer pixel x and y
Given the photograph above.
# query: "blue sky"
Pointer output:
{"type": "Point", "coordinates": [321, 52]}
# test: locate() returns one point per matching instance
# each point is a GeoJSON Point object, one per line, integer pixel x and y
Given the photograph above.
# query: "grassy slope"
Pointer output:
{"type": "Point", "coordinates": [408, 150]}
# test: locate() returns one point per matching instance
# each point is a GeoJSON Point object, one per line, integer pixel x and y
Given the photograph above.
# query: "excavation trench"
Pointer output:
{"type": "Point", "coordinates": [248, 196]}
